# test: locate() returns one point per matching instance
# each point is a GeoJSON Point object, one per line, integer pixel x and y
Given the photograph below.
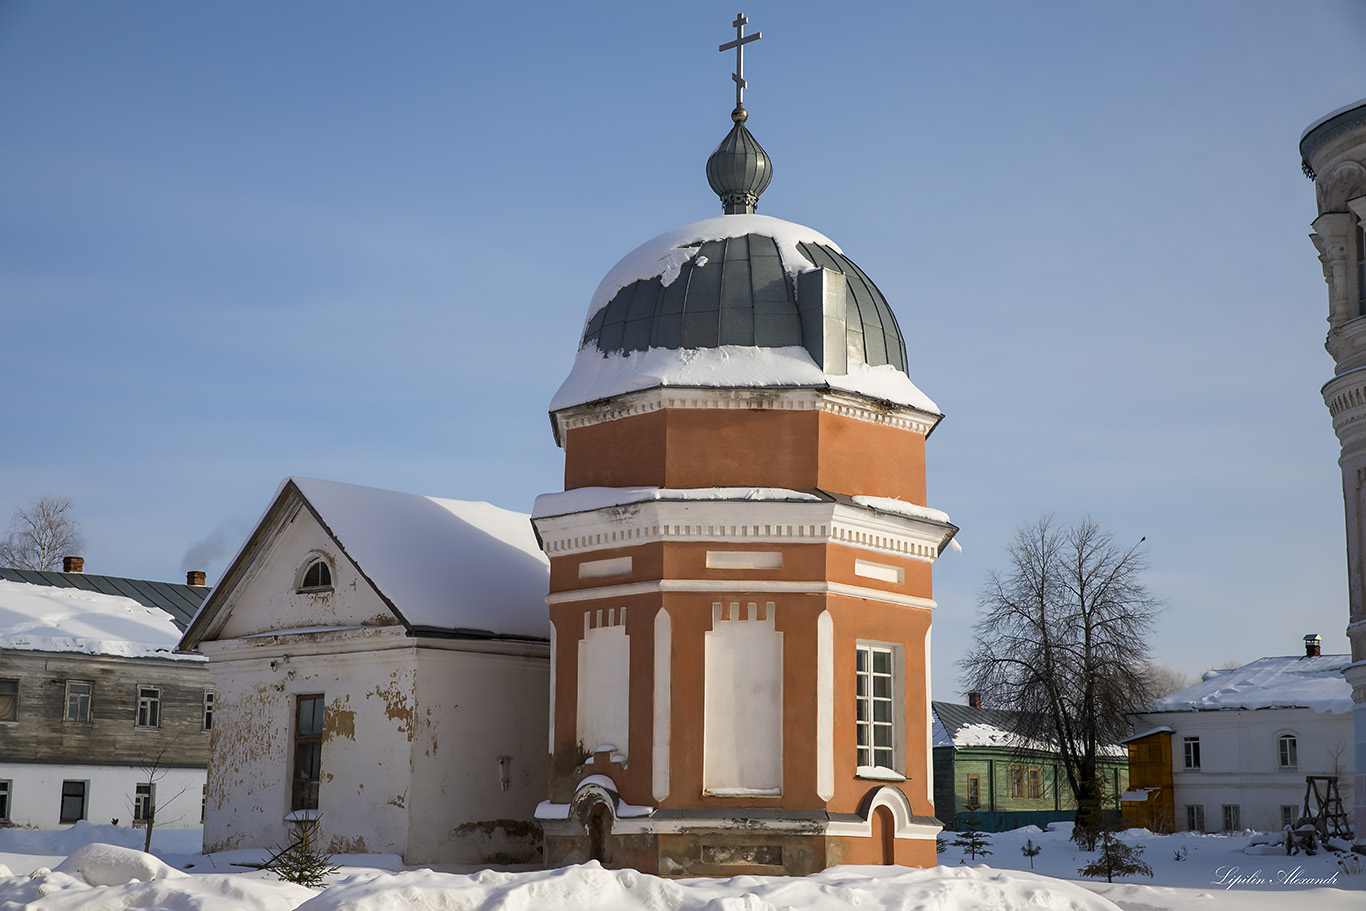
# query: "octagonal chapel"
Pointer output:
{"type": "Point", "coordinates": [740, 583]}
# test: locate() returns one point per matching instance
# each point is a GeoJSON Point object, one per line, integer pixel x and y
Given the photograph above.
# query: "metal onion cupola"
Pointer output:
{"type": "Point", "coordinates": [739, 170]}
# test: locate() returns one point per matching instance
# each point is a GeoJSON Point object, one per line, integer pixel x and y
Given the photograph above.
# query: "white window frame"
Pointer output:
{"type": "Point", "coordinates": [1232, 817]}
{"type": "Point", "coordinates": [85, 702]}
{"type": "Point", "coordinates": [144, 802]}
{"type": "Point", "coordinates": [869, 705]}
{"type": "Point", "coordinates": [1195, 817]}
{"type": "Point", "coordinates": [1190, 753]}
{"type": "Point", "coordinates": [1289, 813]}
{"type": "Point", "coordinates": [148, 715]}
{"type": "Point", "coordinates": [1287, 751]}
{"type": "Point", "coordinates": [301, 578]}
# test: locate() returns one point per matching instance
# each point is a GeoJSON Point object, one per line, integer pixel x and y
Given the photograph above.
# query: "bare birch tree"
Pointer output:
{"type": "Point", "coordinates": [41, 535]}
{"type": "Point", "coordinates": [1062, 639]}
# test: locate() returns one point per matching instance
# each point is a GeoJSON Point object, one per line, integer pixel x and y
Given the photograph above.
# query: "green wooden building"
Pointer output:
{"type": "Point", "coordinates": [982, 766]}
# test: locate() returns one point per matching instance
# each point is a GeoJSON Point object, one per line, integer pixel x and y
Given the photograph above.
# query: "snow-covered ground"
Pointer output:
{"type": "Point", "coordinates": [93, 868]}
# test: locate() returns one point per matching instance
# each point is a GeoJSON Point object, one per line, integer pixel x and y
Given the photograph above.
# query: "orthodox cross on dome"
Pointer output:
{"type": "Point", "coordinates": [741, 39]}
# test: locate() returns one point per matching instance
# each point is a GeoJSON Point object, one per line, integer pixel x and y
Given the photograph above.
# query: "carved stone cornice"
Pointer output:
{"type": "Point", "coordinates": [743, 521]}
{"type": "Point", "coordinates": [753, 399]}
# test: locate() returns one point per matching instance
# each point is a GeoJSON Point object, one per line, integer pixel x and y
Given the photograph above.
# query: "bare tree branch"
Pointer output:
{"type": "Point", "coordinates": [1062, 640]}
{"type": "Point", "coordinates": [41, 535]}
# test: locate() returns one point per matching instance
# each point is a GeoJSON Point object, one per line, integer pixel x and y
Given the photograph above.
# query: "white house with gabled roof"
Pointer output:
{"type": "Point", "coordinates": [381, 662]}
{"type": "Point", "coordinates": [1243, 740]}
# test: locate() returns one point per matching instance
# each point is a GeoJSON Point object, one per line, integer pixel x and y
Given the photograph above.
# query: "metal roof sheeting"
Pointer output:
{"type": "Point", "coordinates": [177, 599]}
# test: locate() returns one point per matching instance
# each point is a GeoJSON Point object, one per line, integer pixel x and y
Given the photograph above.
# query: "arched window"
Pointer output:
{"type": "Point", "coordinates": [1287, 751]}
{"type": "Point", "coordinates": [316, 574]}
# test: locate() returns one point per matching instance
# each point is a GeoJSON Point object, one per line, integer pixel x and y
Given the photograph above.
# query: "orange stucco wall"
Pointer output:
{"type": "Point", "coordinates": [855, 620]}
{"type": "Point", "coordinates": [799, 450]}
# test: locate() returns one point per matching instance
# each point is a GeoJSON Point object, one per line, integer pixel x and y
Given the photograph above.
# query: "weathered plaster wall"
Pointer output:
{"type": "Point", "coordinates": [478, 757]}
{"type": "Point", "coordinates": [367, 724]}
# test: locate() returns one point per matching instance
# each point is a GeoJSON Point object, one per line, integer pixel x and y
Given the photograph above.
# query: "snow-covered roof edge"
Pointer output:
{"type": "Point", "coordinates": [596, 375]}
{"type": "Point", "coordinates": [1312, 682]}
{"type": "Point", "coordinates": [45, 618]}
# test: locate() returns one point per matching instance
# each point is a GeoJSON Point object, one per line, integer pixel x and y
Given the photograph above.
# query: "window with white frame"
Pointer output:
{"type": "Point", "coordinates": [878, 707]}
{"type": "Point", "coordinates": [1288, 814]}
{"type": "Point", "coordinates": [144, 803]}
{"type": "Point", "coordinates": [1195, 817]}
{"type": "Point", "coordinates": [1287, 751]}
{"type": "Point", "coordinates": [1233, 817]}
{"type": "Point", "coordinates": [315, 575]}
{"type": "Point", "coordinates": [149, 707]}
{"type": "Point", "coordinates": [6, 788]}
{"type": "Point", "coordinates": [73, 801]}
{"type": "Point", "coordinates": [78, 696]}
{"type": "Point", "coordinates": [208, 710]}
{"type": "Point", "coordinates": [1191, 750]}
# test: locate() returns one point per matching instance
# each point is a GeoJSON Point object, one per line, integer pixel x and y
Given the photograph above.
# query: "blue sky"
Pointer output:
{"type": "Point", "coordinates": [242, 241]}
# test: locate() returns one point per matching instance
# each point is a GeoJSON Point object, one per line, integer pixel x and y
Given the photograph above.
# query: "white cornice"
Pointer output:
{"type": "Point", "coordinates": [723, 586]}
{"type": "Point", "coordinates": [357, 639]}
{"type": "Point", "coordinates": [743, 521]}
{"type": "Point", "coordinates": [660, 397]}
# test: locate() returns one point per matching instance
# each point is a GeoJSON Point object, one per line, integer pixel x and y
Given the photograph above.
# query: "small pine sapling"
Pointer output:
{"type": "Point", "coordinates": [1030, 850]}
{"type": "Point", "coordinates": [1115, 858]}
{"type": "Point", "coordinates": [301, 862]}
{"type": "Point", "coordinates": [971, 839]}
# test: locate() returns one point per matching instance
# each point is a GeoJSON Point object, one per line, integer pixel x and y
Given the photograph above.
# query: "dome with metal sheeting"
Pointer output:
{"type": "Point", "coordinates": [740, 301]}
{"type": "Point", "coordinates": [746, 284]}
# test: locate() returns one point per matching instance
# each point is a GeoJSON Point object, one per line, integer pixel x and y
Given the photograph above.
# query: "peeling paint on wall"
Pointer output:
{"type": "Point", "coordinates": [339, 722]}
{"type": "Point", "coordinates": [396, 706]}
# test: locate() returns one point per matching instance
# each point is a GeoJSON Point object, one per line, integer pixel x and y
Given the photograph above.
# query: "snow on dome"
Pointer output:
{"type": "Point", "coordinates": [49, 619]}
{"type": "Point", "coordinates": [1302, 682]}
{"type": "Point", "coordinates": [715, 304]}
{"type": "Point", "coordinates": [448, 564]}
{"type": "Point", "coordinates": [597, 376]}
{"type": "Point", "coordinates": [667, 252]}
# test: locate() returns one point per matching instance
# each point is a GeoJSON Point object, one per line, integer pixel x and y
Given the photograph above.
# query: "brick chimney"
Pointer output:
{"type": "Point", "coordinates": [73, 564]}
{"type": "Point", "coordinates": [1313, 645]}
{"type": "Point", "coordinates": [195, 577]}
{"type": "Point", "coordinates": [974, 700]}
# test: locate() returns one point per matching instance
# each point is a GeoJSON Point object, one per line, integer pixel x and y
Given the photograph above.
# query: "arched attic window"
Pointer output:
{"type": "Point", "coordinates": [315, 574]}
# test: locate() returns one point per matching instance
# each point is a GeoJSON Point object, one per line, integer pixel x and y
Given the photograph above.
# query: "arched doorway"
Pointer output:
{"type": "Point", "coordinates": [599, 827]}
{"type": "Point", "coordinates": [884, 835]}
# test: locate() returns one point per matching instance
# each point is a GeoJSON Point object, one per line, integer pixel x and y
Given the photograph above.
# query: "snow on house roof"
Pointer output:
{"type": "Point", "coordinates": [50, 619]}
{"type": "Point", "coordinates": [443, 564]}
{"type": "Point", "coordinates": [964, 727]}
{"type": "Point", "coordinates": [1313, 682]}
